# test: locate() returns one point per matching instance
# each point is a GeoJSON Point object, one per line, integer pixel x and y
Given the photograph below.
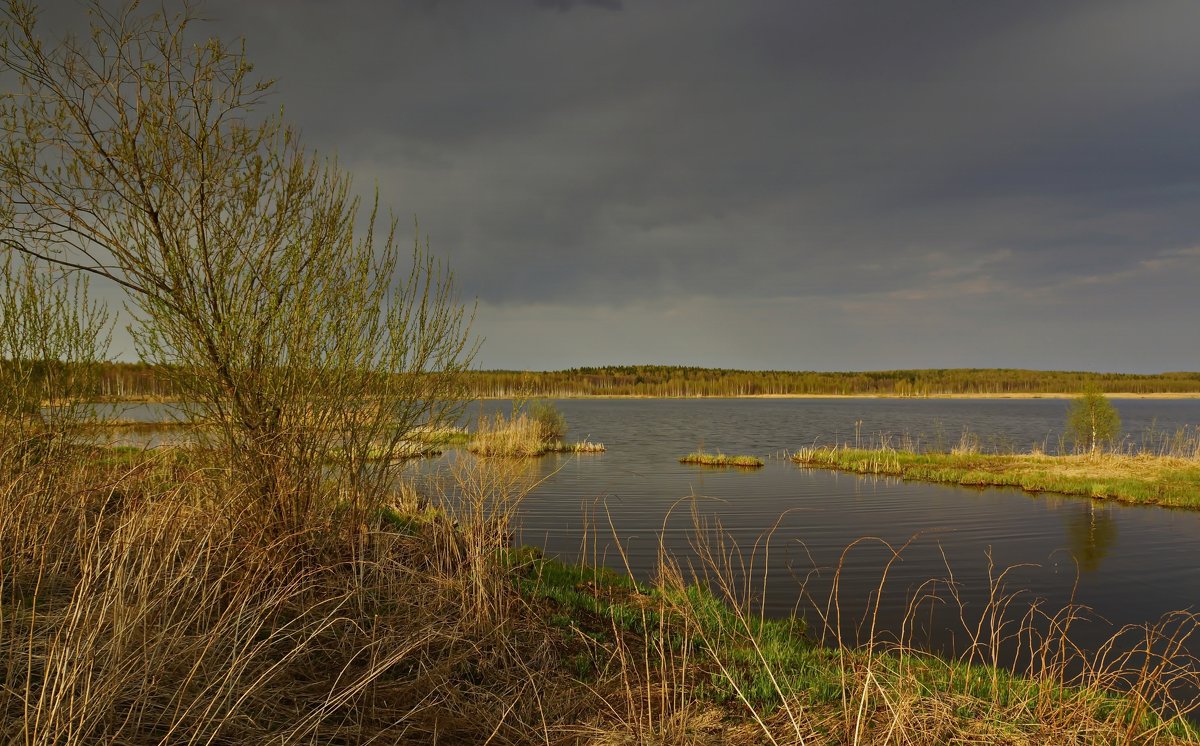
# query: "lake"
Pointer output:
{"type": "Point", "coordinates": [1129, 564]}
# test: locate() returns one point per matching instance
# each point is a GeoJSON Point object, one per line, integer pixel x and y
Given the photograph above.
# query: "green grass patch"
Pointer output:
{"type": "Point", "coordinates": [1158, 480]}
{"type": "Point", "coordinates": [741, 657]}
{"type": "Point", "coordinates": [594, 602]}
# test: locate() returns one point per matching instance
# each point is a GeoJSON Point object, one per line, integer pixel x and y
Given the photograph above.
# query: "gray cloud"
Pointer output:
{"type": "Point", "coordinates": [564, 5]}
{"type": "Point", "coordinates": [966, 176]}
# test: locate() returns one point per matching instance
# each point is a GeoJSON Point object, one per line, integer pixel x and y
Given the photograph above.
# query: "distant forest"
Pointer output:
{"type": "Point", "coordinates": [130, 381]}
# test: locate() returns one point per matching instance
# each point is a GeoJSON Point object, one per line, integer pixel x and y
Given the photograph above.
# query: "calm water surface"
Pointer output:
{"type": "Point", "coordinates": [1130, 564]}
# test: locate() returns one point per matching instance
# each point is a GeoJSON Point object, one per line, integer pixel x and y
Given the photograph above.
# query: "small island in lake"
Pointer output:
{"type": "Point", "coordinates": [720, 459]}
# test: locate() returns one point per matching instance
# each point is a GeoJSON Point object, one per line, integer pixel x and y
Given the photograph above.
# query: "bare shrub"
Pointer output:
{"type": "Point", "coordinates": [136, 156]}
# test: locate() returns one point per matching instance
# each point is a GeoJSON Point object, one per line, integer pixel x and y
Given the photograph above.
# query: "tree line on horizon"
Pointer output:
{"type": "Point", "coordinates": [140, 380]}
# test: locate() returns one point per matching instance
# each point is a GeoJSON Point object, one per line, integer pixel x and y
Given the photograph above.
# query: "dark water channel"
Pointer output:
{"type": "Point", "coordinates": [1129, 564]}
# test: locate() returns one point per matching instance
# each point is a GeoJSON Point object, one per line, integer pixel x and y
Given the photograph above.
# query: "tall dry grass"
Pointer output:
{"type": "Point", "coordinates": [519, 436]}
{"type": "Point", "coordinates": [1181, 442]}
{"type": "Point", "coordinates": [139, 607]}
{"type": "Point", "coordinates": [525, 435]}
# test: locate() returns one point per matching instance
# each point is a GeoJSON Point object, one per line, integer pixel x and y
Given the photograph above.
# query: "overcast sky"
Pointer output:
{"type": "Point", "coordinates": [800, 185]}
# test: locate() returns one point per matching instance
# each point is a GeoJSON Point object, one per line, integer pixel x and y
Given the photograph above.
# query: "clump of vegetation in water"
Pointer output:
{"type": "Point", "coordinates": [515, 437]}
{"type": "Point", "coordinates": [720, 459]}
{"type": "Point", "coordinates": [582, 446]}
{"type": "Point", "coordinates": [534, 431]}
{"type": "Point", "coordinates": [550, 423]}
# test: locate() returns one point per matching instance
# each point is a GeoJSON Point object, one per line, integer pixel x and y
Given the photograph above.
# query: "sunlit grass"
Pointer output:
{"type": "Point", "coordinates": [1142, 478]}
{"type": "Point", "coordinates": [583, 446]}
{"type": "Point", "coordinates": [524, 436]}
{"type": "Point", "coordinates": [721, 459]}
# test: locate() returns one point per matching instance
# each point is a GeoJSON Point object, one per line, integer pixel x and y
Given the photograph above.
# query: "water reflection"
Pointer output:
{"type": "Point", "coordinates": [1091, 533]}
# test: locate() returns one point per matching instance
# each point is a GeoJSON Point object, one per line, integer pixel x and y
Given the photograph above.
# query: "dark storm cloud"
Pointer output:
{"type": "Point", "coordinates": [947, 159]}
